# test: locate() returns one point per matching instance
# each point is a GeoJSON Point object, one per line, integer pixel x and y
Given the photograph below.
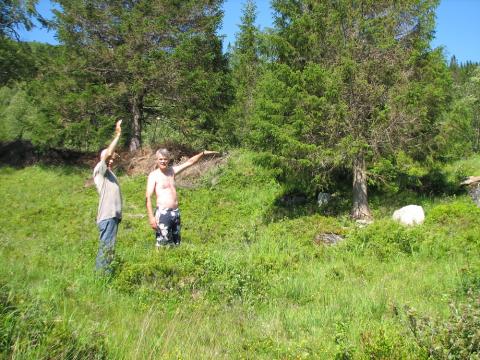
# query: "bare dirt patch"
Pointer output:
{"type": "Point", "coordinates": [20, 154]}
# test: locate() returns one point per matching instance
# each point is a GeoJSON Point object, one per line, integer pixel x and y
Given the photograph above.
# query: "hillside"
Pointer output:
{"type": "Point", "coordinates": [248, 281]}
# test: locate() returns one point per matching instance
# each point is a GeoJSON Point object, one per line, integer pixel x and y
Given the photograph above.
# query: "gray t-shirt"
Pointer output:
{"type": "Point", "coordinates": [110, 204]}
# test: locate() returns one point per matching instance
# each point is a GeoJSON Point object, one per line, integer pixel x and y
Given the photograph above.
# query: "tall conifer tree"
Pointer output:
{"type": "Point", "coordinates": [15, 14]}
{"type": "Point", "coordinates": [246, 67]}
{"type": "Point", "coordinates": [350, 71]}
{"type": "Point", "coordinates": [143, 54]}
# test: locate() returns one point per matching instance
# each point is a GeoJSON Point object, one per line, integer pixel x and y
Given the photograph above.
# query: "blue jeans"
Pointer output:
{"type": "Point", "coordinates": [108, 234]}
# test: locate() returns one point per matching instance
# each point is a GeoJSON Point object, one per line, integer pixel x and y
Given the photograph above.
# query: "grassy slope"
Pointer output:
{"type": "Point", "coordinates": [240, 286]}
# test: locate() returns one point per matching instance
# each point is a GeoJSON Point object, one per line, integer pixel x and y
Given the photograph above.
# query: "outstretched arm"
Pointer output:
{"type": "Point", "coordinates": [111, 148]}
{"type": "Point", "coordinates": [148, 201]}
{"type": "Point", "coordinates": [179, 168]}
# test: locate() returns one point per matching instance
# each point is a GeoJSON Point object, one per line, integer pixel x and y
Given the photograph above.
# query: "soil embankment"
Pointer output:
{"type": "Point", "coordinates": [20, 154]}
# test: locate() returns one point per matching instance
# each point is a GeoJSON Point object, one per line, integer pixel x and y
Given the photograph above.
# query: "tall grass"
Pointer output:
{"type": "Point", "coordinates": [241, 285]}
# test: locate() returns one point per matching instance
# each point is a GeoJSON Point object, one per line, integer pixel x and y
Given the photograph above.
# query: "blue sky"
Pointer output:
{"type": "Point", "coordinates": [458, 26]}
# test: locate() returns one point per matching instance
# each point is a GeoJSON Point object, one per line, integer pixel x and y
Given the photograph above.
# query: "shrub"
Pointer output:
{"type": "Point", "coordinates": [381, 345]}
{"type": "Point", "coordinates": [469, 279]}
{"type": "Point", "coordinates": [183, 271]}
{"type": "Point", "coordinates": [34, 332]}
{"type": "Point", "coordinates": [384, 239]}
{"type": "Point", "coordinates": [461, 214]}
{"type": "Point", "coordinates": [458, 337]}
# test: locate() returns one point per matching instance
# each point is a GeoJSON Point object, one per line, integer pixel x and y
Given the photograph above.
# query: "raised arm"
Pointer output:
{"type": "Point", "coordinates": [111, 148]}
{"type": "Point", "coordinates": [180, 167]}
{"type": "Point", "coordinates": [148, 201]}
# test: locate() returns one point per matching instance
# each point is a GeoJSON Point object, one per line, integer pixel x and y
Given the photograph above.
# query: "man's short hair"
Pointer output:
{"type": "Point", "coordinates": [164, 152]}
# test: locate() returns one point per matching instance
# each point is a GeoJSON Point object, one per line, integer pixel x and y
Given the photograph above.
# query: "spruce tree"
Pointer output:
{"type": "Point", "coordinates": [245, 65]}
{"type": "Point", "coordinates": [15, 14]}
{"type": "Point", "coordinates": [127, 57]}
{"type": "Point", "coordinates": [16, 59]}
{"type": "Point", "coordinates": [460, 135]}
{"type": "Point", "coordinates": [345, 88]}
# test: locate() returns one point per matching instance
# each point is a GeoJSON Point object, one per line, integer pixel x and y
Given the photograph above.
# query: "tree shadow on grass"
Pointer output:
{"type": "Point", "coordinates": [296, 204]}
{"type": "Point", "coordinates": [302, 189]}
{"type": "Point", "coordinates": [20, 154]}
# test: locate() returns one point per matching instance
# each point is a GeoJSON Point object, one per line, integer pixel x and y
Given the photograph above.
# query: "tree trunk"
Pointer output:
{"type": "Point", "coordinates": [360, 209]}
{"type": "Point", "coordinates": [137, 112]}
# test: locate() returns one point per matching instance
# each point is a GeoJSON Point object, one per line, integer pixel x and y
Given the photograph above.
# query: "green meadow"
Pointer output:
{"type": "Point", "coordinates": [247, 282]}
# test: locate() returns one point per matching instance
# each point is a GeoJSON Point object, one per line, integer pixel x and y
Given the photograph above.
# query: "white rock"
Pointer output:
{"type": "Point", "coordinates": [409, 215]}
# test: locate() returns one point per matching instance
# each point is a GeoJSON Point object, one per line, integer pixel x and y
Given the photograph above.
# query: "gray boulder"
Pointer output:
{"type": "Point", "coordinates": [473, 186]}
{"type": "Point", "coordinates": [323, 199]}
{"type": "Point", "coordinates": [327, 239]}
{"type": "Point", "coordinates": [474, 192]}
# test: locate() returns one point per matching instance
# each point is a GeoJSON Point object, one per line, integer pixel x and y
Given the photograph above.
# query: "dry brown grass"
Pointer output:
{"type": "Point", "coordinates": [143, 162]}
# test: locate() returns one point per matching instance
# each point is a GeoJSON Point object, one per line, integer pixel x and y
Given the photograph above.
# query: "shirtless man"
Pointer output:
{"type": "Point", "coordinates": [166, 218]}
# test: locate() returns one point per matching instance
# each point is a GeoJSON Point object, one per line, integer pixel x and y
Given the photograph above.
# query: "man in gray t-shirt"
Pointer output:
{"type": "Point", "coordinates": [109, 212]}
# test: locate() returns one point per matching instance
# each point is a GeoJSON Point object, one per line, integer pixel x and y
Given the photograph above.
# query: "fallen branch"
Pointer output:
{"type": "Point", "coordinates": [471, 180]}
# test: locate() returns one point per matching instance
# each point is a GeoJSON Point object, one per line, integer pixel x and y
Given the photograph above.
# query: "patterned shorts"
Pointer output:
{"type": "Point", "coordinates": [168, 230]}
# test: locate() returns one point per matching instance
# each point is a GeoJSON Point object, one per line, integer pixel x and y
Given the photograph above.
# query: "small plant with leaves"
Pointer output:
{"type": "Point", "coordinates": [458, 337]}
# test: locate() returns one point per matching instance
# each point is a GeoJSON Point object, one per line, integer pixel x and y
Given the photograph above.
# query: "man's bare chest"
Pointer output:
{"type": "Point", "coordinates": [164, 181]}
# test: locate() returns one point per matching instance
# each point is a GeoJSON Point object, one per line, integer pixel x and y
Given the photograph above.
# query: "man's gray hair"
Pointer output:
{"type": "Point", "coordinates": [164, 152]}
